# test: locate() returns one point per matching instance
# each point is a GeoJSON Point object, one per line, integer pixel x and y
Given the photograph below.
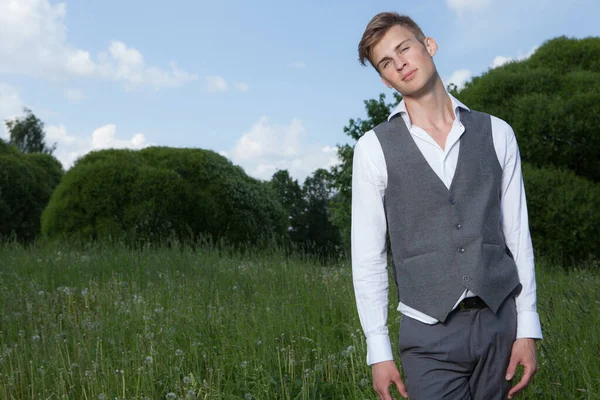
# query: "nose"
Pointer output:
{"type": "Point", "coordinates": [399, 62]}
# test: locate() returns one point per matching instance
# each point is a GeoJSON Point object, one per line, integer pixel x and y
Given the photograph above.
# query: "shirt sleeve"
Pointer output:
{"type": "Point", "coordinates": [515, 225]}
{"type": "Point", "coordinates": [368, 241]}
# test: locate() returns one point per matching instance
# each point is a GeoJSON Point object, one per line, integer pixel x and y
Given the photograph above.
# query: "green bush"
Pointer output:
{"type": "Point", "coordinates": [158, 193]}
{"type": "Point", "coordinates": [26, 184]}
{"type": "Point", "coordinates": [564, 213]}
{"type": "Point", "coordinates": [552, 101]}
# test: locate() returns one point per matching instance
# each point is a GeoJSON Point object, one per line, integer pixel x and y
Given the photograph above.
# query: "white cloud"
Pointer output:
{"type": "Point", "coordinates": [11, 106]}
{"type": "Point", "coordinates": [501, 60]}
{"type": "Point", "coordinates": [34, 42]}
{"type": "Point", "coordinates": [460, 6]}
{"type": "Point", "coordinates": [242, 87]}
{"type": "Point", "coordinates": [74, 95]}
{"type": "Point", "coordinates": [267, 147]}
{"type": "Point", "coordinates": [216, 84]}
{"type": "Point", "coordinates": [70, 147]}
{"type": "Point", "coordinates": [459, 78]}
{"type": "Point", "coordinates": [300, 65]}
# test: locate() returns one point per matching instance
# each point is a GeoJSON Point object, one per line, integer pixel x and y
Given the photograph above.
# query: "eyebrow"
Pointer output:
{"type": "Point", "coordinates": [395, 49]}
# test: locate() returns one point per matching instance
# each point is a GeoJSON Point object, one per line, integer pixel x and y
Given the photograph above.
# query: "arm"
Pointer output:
{"type": "Point", "coordinates": [369, 258]}
{"type": "Point", "coordinates": [369, 262]}
{"type": "Point", "coordinates": [515, 225]}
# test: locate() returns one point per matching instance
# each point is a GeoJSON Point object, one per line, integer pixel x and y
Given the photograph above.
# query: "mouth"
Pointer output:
{"type": "Point", "coordinates": [409, 75]}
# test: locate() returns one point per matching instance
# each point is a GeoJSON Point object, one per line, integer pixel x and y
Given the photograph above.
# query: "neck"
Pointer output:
{"type": "Point", "coordinates": [432, 107]}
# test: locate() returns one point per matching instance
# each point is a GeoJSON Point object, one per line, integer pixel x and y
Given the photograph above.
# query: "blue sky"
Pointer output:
{"type": "Point", "coordinates": [269, 84]}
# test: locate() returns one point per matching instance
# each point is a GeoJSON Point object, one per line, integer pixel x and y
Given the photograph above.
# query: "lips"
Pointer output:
{"type": "Point", "coordinates": [409, 75]}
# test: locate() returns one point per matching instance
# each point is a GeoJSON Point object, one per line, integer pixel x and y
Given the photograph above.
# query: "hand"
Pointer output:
{"type": "Point", "coordinates": [523, 353]}
{"type": "Point", "coordinates": [384, 375]}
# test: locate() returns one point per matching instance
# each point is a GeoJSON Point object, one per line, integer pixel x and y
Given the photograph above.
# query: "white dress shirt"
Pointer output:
{"type": "Point", "coordinates": [369, 227]}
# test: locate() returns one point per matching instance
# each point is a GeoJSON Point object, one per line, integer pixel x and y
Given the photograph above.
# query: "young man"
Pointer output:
{"type": "Point", "coordinates": [445, 183]}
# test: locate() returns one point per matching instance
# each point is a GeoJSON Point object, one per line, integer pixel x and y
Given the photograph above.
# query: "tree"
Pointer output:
{"type": "Point", "coordinates": [26, 184]}
{"type": "Point", "coordinates": [552, 101]}
{"type": "Point", "coordinates": [341, 174]}
{"type": "Point", "coordinates": [27, 134]}
{"type": "Point", "coordinates": [323, 236]}
{"type": "Point", "coordinates": [289, 194]}
{"type": "Point", "coordinates": [159, 193]}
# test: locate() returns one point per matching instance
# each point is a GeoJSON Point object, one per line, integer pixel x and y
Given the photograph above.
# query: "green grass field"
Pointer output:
{"type": "Point", "coordinates": [104, 322]}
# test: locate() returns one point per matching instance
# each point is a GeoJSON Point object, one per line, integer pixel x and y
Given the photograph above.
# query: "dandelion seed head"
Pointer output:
{"type": "Point", "coordinates": [190, 395]}
{"type": "Point", "coordinates": [35, 338]}
{"type": "Point", "coordinates": [178, 353]}
{"type": "Point", "coordinates": [148, 360]}
{"type": "Point", "coordinates": [171, 396]}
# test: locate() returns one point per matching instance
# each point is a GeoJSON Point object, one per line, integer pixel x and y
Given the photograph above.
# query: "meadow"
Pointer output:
{"type": "Point", "coordinates": [107, 322]}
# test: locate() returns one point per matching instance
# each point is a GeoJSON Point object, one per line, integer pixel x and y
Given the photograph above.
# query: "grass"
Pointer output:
{"type": "Point", "coordinates": [105, 322]}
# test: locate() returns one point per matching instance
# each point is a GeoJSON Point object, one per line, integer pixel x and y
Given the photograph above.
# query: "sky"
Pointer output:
{"type": "Point", "coordinates": [268, 84]}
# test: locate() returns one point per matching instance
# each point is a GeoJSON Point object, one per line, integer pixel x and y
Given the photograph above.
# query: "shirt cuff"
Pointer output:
{"type": "Point", "coordinates": [528, 325]}
{"type": "Point", "coordinates": [379, 349]}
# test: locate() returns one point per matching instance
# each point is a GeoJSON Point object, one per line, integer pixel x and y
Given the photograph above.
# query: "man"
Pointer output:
{"type": "Point", "coordinates": [445, 183]}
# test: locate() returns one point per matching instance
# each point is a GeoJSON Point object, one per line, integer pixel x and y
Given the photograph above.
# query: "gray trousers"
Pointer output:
{"type": "Point", "coordinates": [464, 358]}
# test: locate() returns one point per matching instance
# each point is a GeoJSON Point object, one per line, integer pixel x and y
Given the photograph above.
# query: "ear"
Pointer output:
{"type": "Point", "coordinates": [385, 81]}
{"type": "Point", "coordinates": [431, 46]}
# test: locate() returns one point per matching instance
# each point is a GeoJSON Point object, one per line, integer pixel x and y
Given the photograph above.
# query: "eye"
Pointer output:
{"type": "Point", "coordinates": [386, 64]}
{"type": "Point", "coordinates": [404, 49]}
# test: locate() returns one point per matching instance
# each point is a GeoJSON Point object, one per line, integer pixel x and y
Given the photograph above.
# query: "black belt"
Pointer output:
{"type": "Point", "coordinates": [471, 303]}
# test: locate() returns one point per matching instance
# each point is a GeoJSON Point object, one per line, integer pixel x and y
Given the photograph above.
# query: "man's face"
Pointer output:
{"type": "Point", "coordinates": [403, 62]}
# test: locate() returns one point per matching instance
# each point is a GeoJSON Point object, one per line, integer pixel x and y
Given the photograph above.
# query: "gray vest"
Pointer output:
{"type": "Point", "coordinates": [444, 240]}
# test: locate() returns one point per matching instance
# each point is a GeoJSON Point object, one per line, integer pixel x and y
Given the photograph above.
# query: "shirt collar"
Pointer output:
{"type": "Point", "coordinates": [401, 109]}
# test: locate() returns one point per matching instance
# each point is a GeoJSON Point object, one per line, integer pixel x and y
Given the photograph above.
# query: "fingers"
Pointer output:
{"type": "Point", "coordinates": [529, 371]}
{"type": "Point", "coordinates": [383, 393]}
{"type": "Point", "coordinates": [401, 388]}
{"type": "Point", "coordinates": [512, 367]}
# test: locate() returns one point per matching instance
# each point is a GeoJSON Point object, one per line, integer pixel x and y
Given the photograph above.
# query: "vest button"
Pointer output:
{"type": "Point", "coordinates": [458, 227]}
{"type": "Point", "coordinates": [465, 278]}
{"type": "Point", "coordinates": [453, 202]}
{"type": "Point", "coordinates": [461, 249]}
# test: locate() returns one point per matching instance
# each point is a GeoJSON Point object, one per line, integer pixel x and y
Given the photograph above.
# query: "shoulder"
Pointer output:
{"type": "Point", "coordinates": [368, 152]}
{"type": "Point", "coordinates": [367, 144]}
{"type": "Point", "coordinates": [388, 126]}
{"type": "Point", "coordinates": [501, 130]}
